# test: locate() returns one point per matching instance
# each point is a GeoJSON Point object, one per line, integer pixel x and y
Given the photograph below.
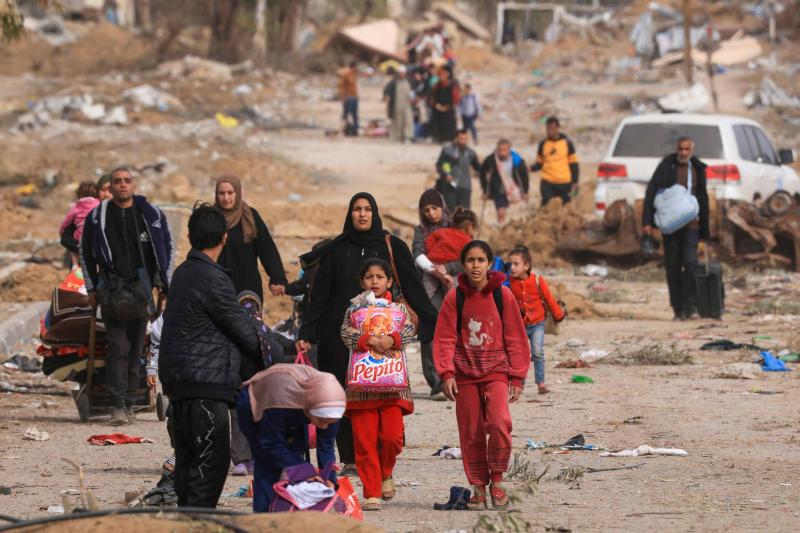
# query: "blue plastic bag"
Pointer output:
{"type": "Point", "coordinates": [772, 363]}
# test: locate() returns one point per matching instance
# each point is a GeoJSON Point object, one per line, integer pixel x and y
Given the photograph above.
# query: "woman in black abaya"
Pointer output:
{"type": "Point", "coordinates": [336, 283]}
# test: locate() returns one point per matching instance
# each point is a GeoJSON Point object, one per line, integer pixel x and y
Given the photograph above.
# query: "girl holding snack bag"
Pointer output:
{"type": "Point", "coordinates": [378, 390]}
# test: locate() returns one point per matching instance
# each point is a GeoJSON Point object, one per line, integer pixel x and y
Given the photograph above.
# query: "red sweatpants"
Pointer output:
{"type": "Point", "coordinates": [378, 439]}
{"type": "Point", "coordinates": [481, 410]}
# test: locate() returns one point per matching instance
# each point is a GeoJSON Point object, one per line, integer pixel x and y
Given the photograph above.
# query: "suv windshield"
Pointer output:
{"type": "Point", "coordinates": [658, 140]}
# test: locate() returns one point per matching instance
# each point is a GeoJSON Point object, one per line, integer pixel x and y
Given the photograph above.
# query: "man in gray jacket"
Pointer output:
{"type": "Point", "coordinates": [453, 166]}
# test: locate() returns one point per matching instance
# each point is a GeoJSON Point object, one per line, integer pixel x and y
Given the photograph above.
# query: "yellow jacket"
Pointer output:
{"type": "Point", "coordinates": [557, 160]}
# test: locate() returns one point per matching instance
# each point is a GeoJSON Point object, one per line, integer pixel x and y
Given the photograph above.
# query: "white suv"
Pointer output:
{"type": "Point", "coordinates": [742, 162]}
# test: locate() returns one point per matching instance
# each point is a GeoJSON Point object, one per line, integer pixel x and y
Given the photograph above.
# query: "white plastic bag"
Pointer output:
{"type": "Point", "coordinates": [675, 207]}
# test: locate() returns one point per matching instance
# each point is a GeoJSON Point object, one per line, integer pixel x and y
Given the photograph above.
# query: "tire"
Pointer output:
{"type": "Point", "coordinates": [779, 203]}
{"type": "Point", "coordinates": [161, 407]}
{"type": "Point", "coordinates": [83, 407]}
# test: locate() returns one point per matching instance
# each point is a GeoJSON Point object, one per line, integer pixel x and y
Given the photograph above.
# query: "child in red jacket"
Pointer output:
{"type": "Point", "coordinates": [483, 357]}
{"type": "Point", "coordinates": [377, 415]}
{"type": "Point", "coordinates": [532, 293]}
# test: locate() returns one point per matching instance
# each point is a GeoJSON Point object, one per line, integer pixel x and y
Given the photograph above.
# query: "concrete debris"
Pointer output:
{"type": "Point", "coordinates": [464, 21]}
{"type": "Point", "coordinates": [196, 68]}
{"type": "Point", "coordinates": [51, 29]}
{"type": "Point", "coordinates": [770, 95]}
{"type": "Point", "coordinates": [380, 37]}
{"type": "Point", "coordinates": [695, 98]}
{"type": "Point", "coordinates": [149, 96]}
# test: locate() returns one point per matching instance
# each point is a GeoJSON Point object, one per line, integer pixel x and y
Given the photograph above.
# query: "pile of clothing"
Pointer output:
{"type": "Point", "coordinates": [65, 331]}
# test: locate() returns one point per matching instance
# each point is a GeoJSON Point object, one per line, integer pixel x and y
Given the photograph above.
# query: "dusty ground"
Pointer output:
{"type": "Point", "coordinates": [742, 436]}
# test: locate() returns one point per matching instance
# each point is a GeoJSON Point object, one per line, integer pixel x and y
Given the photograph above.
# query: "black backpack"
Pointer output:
{"type": "Point", "coordinates": [498, 301]}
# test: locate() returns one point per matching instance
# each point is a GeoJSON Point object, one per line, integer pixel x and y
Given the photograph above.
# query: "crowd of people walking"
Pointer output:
{"type": "Point", "coordinates": [480, 320]}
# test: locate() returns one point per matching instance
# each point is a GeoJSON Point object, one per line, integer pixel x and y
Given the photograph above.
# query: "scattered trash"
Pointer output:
{"type": "Point", "coordinates": [765, 392]}
{"type": "Point", "coordinates": [6, 386]}
{"type": "Point", "coordinates": [115, 439]}
{"type": "Point", "coordinates": [459, 496]}
{"type": "Point", "coordinates": [34, 434]}
{"type": "Point", "coordinates": [770, 95]}
{"type": "Point", "coordinates": [695, 98]}
{"type": "Point", "coordinates": [593, 355]}
{"type": "Point", "coordinates": [789, 357]}
{"type": "Point", "coordinates": [24, 364]}
{"type": "Point", "coordinates": [451, 453]}
{"type": "Point", "coordinates": [226, 121]}
{"type": "Point", "coordinates": [295, 197]}
{"type": "Point", "coordinates": [55, 509]}
{"type": "Point", "coordinates": [646, 450]}
{"type": "Point", "coordinates": [740, 371]}
{"type": "Point", "coordinates": [536, 445]}
{"type": "Point", "coordinates": [196, 68]}
{"type": "Point", "coordinates": [724, 345]}
{"type": "Point", "coordinates": [5, 491]}
{"type": "Point", "coordinates": [149, 96]}
{"type": "Point", "coordinates": [772, 364]}
{"type": "Point", "coordinates": [577, 378]}
{"type": "Point", "coordinates": [448, 452]}
{"type": "Point", "coordinates": [594, 270]}
{"type": "Point", "coordinates": [633, 420]}
{"type": "Point", "coordinates": [575, 343]}
{"type": "Point", "coordinates": [243, 89]}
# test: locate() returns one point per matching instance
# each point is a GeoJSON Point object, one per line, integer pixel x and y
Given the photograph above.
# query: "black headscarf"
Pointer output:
{"type": "Point", "coordinates": [371, 238]}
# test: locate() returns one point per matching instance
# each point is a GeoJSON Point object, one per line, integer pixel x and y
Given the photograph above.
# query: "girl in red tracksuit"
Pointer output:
{"type": "Point", "coordinates": [377, 417]}
{"type": "Point", "coordinates": [483, 367]}
{"type": "Point", "coordinates": [532, 294]}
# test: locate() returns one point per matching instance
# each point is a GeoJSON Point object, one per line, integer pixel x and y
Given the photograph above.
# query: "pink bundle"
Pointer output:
{"type": "Point", "coordinates": [370, 371]}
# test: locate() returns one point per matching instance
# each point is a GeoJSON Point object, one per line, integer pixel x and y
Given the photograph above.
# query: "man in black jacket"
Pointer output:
{"type": "Point", "coordinates": [124, 238]}
{"type": "Point", "coordinates": [206, 341]}
{"type": "Point", "coordinates": [680, 247]}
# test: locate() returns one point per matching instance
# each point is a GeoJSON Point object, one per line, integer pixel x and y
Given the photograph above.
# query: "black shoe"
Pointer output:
{"type": "Point", "coordinates": [459, 496]}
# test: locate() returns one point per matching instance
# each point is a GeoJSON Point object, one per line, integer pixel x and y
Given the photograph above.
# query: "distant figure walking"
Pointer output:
{"type": "Point", "coordinates": [557, 160]}
{"type": "Point", "coordinates": [348, 94]}
{"type": "Point", "coordinates": [444, 98]}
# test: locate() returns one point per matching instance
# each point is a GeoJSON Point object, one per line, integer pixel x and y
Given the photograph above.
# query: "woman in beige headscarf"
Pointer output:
{"type": "Point", "coordinates": [275, 408]}
{"type": "Point", "coordinates": [249, 241]}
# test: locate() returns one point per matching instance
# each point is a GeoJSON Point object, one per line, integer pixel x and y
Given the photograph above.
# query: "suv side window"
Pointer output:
{"type": "Point", "coordinates": [747, 151]}
{"type": "Point", "coordinates": [765, 148]}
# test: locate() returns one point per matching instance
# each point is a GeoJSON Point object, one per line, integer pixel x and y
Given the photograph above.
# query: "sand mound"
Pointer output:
{"type": "Point", "coordinates": [540, 232]}
{"type": "Point", "coordinates": [104, 47]}
{"type": "Point", "coordinates": [578, 306]}
{"type": "Point", "coordinates": [283, 522]}
{"type": "Point", "coordinates": [478, 58]}
{"type": "Point", "coordinates": [34, 283]}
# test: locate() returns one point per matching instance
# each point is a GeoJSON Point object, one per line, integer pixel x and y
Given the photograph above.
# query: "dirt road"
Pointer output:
{"type": "Point", "coordinates": [742, 436]}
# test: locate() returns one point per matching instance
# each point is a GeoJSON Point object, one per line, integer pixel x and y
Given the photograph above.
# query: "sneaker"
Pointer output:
{"type": "Point", "coordinates": [439, 397]}
{"type": "Point", "coordinates": [130, 415]}
{"type": "Point", "coordinates": [251, 467]}
{"type": "Point", "coordinates": [239, 470]}
{"type": "Point", "coordinates": [118, 417]}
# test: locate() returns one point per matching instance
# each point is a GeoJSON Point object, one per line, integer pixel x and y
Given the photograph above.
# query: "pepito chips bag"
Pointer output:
{"type": "Point", "coordinates": [375, 372]}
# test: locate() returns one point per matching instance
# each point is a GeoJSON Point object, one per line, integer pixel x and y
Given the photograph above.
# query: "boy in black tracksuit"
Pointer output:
{"type": "Point", "coordinates": [206, 341]}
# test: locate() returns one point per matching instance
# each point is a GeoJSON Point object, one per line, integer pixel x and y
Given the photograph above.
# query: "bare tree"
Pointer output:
{"type": "Point", "coordinates": [222, 19]}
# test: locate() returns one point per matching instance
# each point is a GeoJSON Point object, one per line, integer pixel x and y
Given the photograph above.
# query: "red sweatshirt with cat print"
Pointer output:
{"type": "Point", "coordinates": [487, 349]}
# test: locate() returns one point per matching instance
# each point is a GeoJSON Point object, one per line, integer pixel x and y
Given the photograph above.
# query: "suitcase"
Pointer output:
{"type": "Point", "coordinates": [710, 290]}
